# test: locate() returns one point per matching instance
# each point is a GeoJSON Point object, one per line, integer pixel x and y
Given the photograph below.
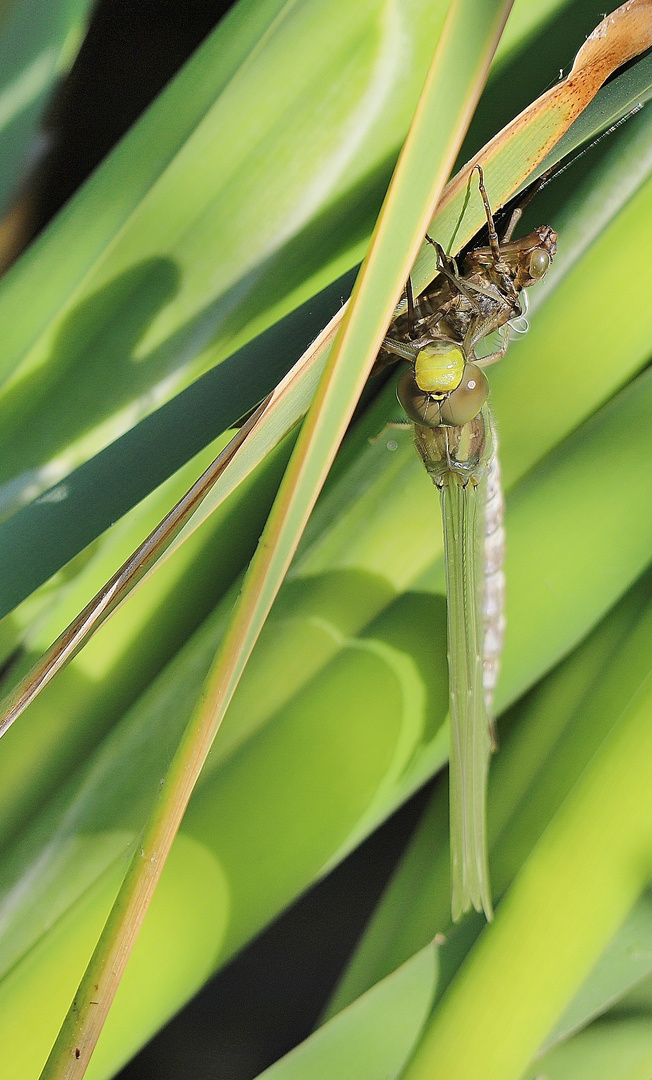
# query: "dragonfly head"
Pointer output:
{"type": "Point", "coordinates": [450, 410]}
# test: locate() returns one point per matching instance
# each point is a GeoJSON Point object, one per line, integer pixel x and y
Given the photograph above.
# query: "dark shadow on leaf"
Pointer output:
{"type": "Point", "coordinates": [416, 624]}
{"type": "Point", "coordinates": [91, 373]}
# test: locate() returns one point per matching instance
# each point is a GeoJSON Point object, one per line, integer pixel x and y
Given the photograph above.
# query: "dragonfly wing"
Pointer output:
{"type": "Point", "coordinates": [494, 577]}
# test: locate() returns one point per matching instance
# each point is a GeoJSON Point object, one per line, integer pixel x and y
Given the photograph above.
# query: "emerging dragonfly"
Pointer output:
{"type": "Point", "coordinates": [444, 393]}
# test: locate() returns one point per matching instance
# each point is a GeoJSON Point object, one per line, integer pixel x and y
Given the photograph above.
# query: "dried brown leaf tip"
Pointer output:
{"type": "Point", "coordinates": [620, 36]}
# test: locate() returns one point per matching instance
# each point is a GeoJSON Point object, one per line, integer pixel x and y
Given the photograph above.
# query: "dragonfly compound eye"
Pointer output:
{"type": "Point", "coordinates": [539, 263]}
{"type": "Point", "coordinates": [439, 367]}
{"type": "Point", "coordinates": [465, 402]}
{"type": "Point", "coordinates": [420, 406]}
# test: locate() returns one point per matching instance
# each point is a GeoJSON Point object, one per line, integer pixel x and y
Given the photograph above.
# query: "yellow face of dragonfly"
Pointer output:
{"type": "Point", "coordinates": [438, 368]}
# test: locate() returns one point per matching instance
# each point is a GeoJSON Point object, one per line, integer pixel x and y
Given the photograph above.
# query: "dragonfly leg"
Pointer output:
{"type": "Point", "coordinates": [528, 195]}
{"type": "Point", "coordinates": [516, 216]}
{"type": "Point", "coordinates": [494, 243]}
{"type": "Point", "coordinates": [466, 289]}
{"type": "Point", "coordinates": [407, 350]}
{"type": "Point", "coordinates": [409, 298]}
{"type": "Point", "coordinates": [469, 289]}
{"type": "Point", "coordinates": [481, 324]}
{"type": "Point", "coordinates": [391, 425]}
{"type": "Point", "coordinates": [445, 263]}
{"type": "Point", "coordinates": [492, 358]}
{"type": "Point", "coordinates": [500, 265]}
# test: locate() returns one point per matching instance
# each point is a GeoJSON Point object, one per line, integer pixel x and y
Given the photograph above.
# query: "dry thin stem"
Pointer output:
{"type": "Point", "coordinates": [111, 595]}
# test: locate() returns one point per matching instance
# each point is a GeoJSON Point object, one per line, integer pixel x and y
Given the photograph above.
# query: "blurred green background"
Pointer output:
{"type": "Point", "coordinates": [97, 313]}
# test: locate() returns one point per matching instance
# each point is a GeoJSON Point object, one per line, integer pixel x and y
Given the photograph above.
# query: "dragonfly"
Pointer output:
{"type": "Point", "coordinates": [444, 393]}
